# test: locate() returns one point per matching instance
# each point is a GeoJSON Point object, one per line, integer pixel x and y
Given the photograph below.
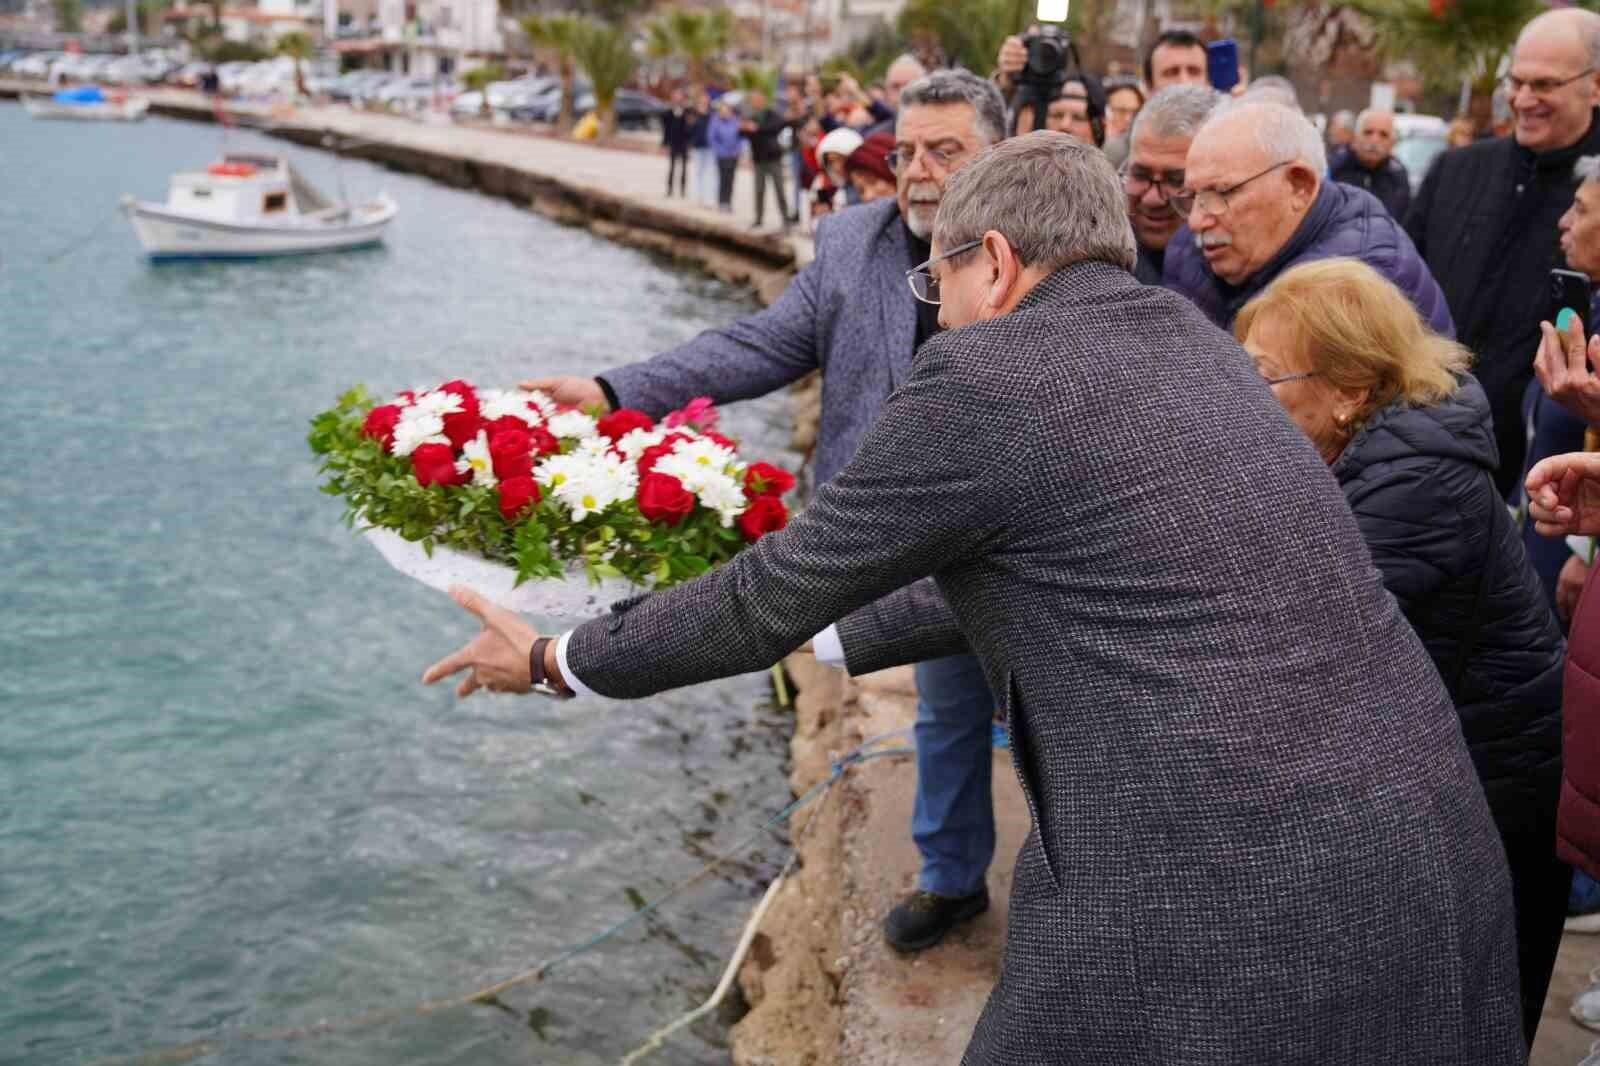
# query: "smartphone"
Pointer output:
{"type": "Point", "coordinates": [1222, 64]}
{"type": "Point", "coordinates": [1569, 290]}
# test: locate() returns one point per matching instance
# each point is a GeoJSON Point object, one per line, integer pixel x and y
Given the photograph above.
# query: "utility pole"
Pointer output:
{"type": "Point", "coordinates": [1258, 27]}
{"type": "Point", "coordinates": [133, 27]}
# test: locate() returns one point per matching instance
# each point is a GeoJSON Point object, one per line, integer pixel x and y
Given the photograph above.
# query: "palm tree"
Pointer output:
{"type": "Point", "coordinates": [605, 52]}
{"type": "Point", "coordinates": [700, 36]}
{"type": "Point", "coordinates": [968, 32]}
{"type": "Point", "coordinates": [1449, 38]}
{"type": "Point", "coordinates": [478, 79]}
{"type": "Point", "coordinates": [557, 33]}
{"type": "Point", "coordinates": [752, 77]}
{"type": "Point", "coordinates": [298, 46]}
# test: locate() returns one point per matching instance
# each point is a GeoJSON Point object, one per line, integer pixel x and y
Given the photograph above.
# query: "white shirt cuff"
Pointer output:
{"type": "Point", "coordinates": [826, 646]}
{"type": "Point", "coordinates": [567, 675]}
{"type": "Point", "coordinates": [1582, 547]}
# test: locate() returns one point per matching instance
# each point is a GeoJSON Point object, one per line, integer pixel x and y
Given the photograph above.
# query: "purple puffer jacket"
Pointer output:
{"type": "Point", "coordinates": [1344, 221]}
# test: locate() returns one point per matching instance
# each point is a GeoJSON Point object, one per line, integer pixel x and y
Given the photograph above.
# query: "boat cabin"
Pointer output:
{"type": "Point", "coordinates": [248, 189]}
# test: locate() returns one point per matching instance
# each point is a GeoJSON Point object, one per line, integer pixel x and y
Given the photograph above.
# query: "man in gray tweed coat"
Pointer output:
{"type": "Point", "coordinates": [1257, 834]}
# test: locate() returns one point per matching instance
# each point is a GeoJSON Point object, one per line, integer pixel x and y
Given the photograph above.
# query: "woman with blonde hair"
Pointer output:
{"type": "Point", "coordinates": [1407, 433]}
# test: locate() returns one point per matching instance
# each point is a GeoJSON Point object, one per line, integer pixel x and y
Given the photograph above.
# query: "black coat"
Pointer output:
{"type": "Point", "coordinates": [1418, 481]}
{"type": "Point", "coordinates": [1485, 220]}
{"type": "Point", "coordinates": [678, 130]}
{"type": "Point", "coordinates": [1390, 182]}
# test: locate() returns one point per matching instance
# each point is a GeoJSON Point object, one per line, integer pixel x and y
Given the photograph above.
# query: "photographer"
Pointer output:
{"type": "Point", "coordinates": [1033, 73]}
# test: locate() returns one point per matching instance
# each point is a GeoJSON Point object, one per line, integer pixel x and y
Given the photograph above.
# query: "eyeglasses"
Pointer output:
{"type": "Point", "coordinates": [939, 156]}
{"type": "Point", "coordinates": [1541, 86]}
{"type": "Point", "coordinates": [924, 284]}
{"type": "Point", "coordinates": [1294, 377]}
{"type": "Point", "coordinates": [1136, 181]}
{"type": "Point", "coordinates": [1215, 201]}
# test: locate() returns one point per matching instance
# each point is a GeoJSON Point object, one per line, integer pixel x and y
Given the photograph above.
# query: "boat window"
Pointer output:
{"type": "Point", "coordinates": [200, 192]}
{"type": "Point", "coordinates": [274, 201]}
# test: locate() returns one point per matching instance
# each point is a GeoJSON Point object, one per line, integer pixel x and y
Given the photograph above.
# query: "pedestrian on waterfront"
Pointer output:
{"type": "Point", "coordinates": [704, 159]}
{"type": "Point", "coordinates": [850, 314]}
{"type": "Point", "coordinates": [1257, 203]}
{"type": "Point", "coordinates": [1486, 215]}
{"type": "Point", "coordinates": [1158, 150]}
{"type": "Point", "coordinates": [868, 169]}
{"type": "Point", "coordinates": [762, 129]}
{"type": "Point", "coordinates": [1369, 163]}
{"type": "Point", "coordinates": [727, 144]}
{"type": "Point", "coordinates": [677, 137]}
{"type": "Point", "coordinates": [1406, 430]}
{"type": "Point", "coordinates": [1257, 834]}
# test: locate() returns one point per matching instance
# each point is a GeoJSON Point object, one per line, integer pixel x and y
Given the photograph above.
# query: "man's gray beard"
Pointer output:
{"type": "Point", "coordinates": [919, 224]}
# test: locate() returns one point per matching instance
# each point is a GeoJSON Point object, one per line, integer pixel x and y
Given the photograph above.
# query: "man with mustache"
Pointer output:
{"type": "Point", "coordinates": [850, 314]}
{"type": "Point", "coordinates": [1257, 204]}
{"type": "Point", "coordinates": [1485, 217]}
{"type": "Point", "coordinates": [1158, 148]}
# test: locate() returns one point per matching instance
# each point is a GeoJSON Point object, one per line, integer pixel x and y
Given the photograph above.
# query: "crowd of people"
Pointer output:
{"type": "Point", "coordinates": [1252, 494]}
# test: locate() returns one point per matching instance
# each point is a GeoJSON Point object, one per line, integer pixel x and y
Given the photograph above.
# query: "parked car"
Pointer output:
{"type": "Point", "coordinates": [189, 75]}
{"type": "Point", "coordinates": [36, 65]}
{"type": "Point", "coordinates": [415, 94]}
{"type": "Point", "coordinates": [1418, 141]}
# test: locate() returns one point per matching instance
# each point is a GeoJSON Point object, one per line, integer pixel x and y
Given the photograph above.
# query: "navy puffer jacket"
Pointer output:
{"type": "Point", "coordinates": [1343, 221]}
{"type": "Point", "coordinates": [1419, 480]}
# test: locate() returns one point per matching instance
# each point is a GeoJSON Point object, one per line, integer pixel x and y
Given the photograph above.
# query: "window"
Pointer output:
{"type": "Point", "coordinates": [274, 201]}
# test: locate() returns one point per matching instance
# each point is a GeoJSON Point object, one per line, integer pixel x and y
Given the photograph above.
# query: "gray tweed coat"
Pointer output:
{"type": "Point", "coordinates": [1257, 835]}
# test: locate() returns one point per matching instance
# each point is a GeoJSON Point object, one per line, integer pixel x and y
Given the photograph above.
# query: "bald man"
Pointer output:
{"type": "Point", "coordinates": [1368, 163]}
{"type": "Point", "coordinates": [1485, 217]}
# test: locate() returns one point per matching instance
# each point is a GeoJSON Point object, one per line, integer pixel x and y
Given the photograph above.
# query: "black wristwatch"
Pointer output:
{"type": "Point", "coordinates": [541, 681]}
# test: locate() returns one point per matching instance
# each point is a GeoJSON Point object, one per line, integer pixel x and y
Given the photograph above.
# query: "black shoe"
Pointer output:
{"type": "Point", "coordinates": [923, 918]}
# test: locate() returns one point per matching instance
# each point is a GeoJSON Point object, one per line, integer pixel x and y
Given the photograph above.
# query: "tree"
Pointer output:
{"type": "Point", "coordinates": [478, 79]}
{"type": "Point", "coordinates": [967, 32]}
{"type": "Point", "coordinates": [694, 36]}
{"type": "Point", "coordinates": [605, 52]}
{"type": "Point", "coordinates": [299, 47]}
{"type": "Point", "coordinates": [1449, 39]}
{"type": "Point", "coordinates": [752, 78]}
{"type": "Point", "coordinates": [558, 34]}
{"type": "Point", "coordinates": [69, 15]}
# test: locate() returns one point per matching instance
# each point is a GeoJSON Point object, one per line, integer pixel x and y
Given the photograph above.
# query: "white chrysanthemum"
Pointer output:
{"type": "Point", "coordinates": [725, 496]}
{"type": "Point", "coordinates": [502, 403]}
{"type": "Point", "coordinates": [595, 446]}
{"type": "Point", "coordinates": [417, 428]}
{"type": "Point", "coordinates": [586, 482]}
{"type": "Point", "coordinates": [475, 457]}
{"type": "Point", "coordinates": [696, 463]}
{"type": "Point", "coordinates": [437, 403]}
{"type": "Point", "coordinates": [540, 401]}
{"type": "Point", "coordinates": [571, 424]}
{"type": "Point", "coordinates": [636, 442]}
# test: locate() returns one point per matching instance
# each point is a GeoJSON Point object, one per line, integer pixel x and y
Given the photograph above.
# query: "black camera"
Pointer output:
{"type": "Point", "coordinates": [1048, 54]}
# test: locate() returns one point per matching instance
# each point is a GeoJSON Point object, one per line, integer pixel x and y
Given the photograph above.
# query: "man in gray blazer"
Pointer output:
{"type": "Point", "coordinates": [850, 314]}
{"type": "Point", "coordinates": [1257, 833]}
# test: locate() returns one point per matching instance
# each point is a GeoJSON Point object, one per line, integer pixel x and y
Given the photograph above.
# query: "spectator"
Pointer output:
{"type": "Point", "coordinates": [1124, 98]}
{"type": "Point", "coordinates": [850, 314]}
{"type": "Point", "coordinates": [677, 137]}
{"type": "Point", "coordinates": [1154, 174]}
{"type": "Point", "coordinates": [832, 151]}
{"type": "Point", "coordinates": [762, 129]}
{"type": "Point", "coordinates": [1257, 204]}
{"type": "Point", "coordinates": [868, 169]}
{"type": "Point", "coordinates": [1070, 112]}
{"type": "Point", "coordinates": [1485, 217]}
{"type": "Point", "coordinates": [705, 160]}
{"type": "Point", "coordinates": [1460, 132]}
{"type": "Point", "coordinates": [727, 145]}
{"type": "Point", "coordinates": [1271, 87]}
{"type": "Point", "coordinates": [902, 72]}
{"type": "Point", "coordinates": [1407, 433]}
{"type": "Point", "coordinates": [1177, 58]}
{"type": "Point", "coordinates": [1341, 130]}
{"type": "Point", "coordinates": [1369, 163]}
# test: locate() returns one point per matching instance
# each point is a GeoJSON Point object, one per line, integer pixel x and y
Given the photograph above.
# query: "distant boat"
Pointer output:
{"type": "Point", "coordinates": [247, 206]}
{"type": "Point", "coordinates": [87, 103]}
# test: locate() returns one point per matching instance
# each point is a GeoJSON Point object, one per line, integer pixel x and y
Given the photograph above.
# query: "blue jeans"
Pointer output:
{"type": "Point", "coordinates": [953, 820]}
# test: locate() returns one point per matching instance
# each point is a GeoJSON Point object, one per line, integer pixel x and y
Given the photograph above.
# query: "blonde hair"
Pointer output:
{"type": "Point", "coordinates": [1357, 331]}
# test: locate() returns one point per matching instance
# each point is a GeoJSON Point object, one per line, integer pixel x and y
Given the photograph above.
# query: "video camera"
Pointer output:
{"type": "Point", "coordinates": [1052, 57]}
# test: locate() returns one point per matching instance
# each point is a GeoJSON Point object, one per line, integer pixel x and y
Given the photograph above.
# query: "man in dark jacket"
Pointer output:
{"type": "Point", "coordinates": [1158, 146]}
{"type": "Point", "coordinates": [762, 130]}
{"type": "Point", "coordinates": [1253, 213]}
{"type": "Point", "coordinates": [1485, 217]}
{"type": "Point", "coordinates": [1368, 163]}
{"type": "Point", "coordinates": [677, 137]}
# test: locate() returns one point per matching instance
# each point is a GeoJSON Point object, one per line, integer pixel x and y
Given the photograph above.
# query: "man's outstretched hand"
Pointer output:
{"type": "Point", "coordinates": [497, 657]}
{"type": "Point", "coordinates": [570, 391]}
{"type": "Point", "coordinates": [1564, 494]}
{"type": "Point", "coordinates": [1565, 365]}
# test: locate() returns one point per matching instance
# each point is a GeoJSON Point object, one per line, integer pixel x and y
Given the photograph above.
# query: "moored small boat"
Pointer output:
{"type": "Point", "coordinates": [246, 206]}
{"type": "Point", "coordinates": [87, 103]}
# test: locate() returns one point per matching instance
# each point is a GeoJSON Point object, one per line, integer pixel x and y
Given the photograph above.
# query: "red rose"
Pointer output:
{"type": "Point", "coordinates": [511, 451]}
{"type": "Point", "coordinates": [662, 498]}
{"type": "Point", "coordinates": [766, 514]}
{"type": "Point", "coordinates": [764, 479]}
{"type": "Point", "coordinates": [505, 424]}
{"type": "Point", "coordinates": [619, 424]}
{"type": "Point", "coordinates": [544, 442]}
{"type": "Point", "coordinates": [463, 389]}
{"type": "Point", "coordinates": [462, 425]}
{"type": "Point", "coordinates": [718, 438]}
{"type": "Point", "coordinates": [648, 458]}
{"type": "Point", "coordinates": [435, 464]}
{"type": "Point", "coordinates": [380, 423]}
{"type": "Point", "coordinates": [515, 494]}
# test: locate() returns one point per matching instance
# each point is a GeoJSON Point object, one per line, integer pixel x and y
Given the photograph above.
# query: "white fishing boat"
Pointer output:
{"type": "Point", "coordinates": [87, 103]}
{"type": "Point", "coordinates": [246, 206]}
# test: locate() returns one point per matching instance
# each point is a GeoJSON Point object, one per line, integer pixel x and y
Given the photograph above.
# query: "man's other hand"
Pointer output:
{"type": "Point", "coordinates": [497, 657]}
{"type": "Point", "coordinates": [1564, 495]}
{"type": "Point", "coordinates": [570, 391]}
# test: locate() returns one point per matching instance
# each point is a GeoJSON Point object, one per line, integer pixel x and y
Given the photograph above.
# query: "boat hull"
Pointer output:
{"type": "Point", "coordinates": [169, 235]}
{"type": "Point", "coordinates": [130, 110]}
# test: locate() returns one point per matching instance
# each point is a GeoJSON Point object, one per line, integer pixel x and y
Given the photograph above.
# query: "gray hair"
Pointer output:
{"type": "Point", "coordinates": [1587, 168]}
{"type": "Point", "coordinates": [961, 87]}
{"type": "Point", "coordinates": [1372, 112]}
{"type": "Point", "coordinates": [1176, 111]}
{"type": "Point", "coordinates": [1279, 90]}
{"type": "Point", "coordinates": [1283, 133]}
{"type": "Point", "coordinates": [906, 59]}
{"type": "Point", "coordinates": [1055, 198]}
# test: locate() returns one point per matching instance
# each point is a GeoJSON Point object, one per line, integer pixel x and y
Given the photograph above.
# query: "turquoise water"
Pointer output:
{"type": "Point", "coordinates": [225, 802]}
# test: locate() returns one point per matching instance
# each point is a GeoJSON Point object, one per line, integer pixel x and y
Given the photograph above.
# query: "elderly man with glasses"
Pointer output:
{"type": "Point", "coordinates": [1257, 203]}
{"type": "Point", "coordinates": [850, 315]}
{"type": "Point", "coordinates": [1485, 217]}
{"type": "Point", "coordinates": [1158, 148]}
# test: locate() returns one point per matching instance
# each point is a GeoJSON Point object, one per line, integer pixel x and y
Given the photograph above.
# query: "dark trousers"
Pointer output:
{"type": "Point", "coordinates": [678, 167]}
{"type": "Point", "coordinates": [725, 172]}
{"type": "Point", "coordinates": [770, 172]}
{"type": "Point", "coordinates": [1539, 886]}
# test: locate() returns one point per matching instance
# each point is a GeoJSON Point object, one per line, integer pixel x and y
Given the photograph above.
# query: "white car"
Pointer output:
{"type": "Point", "coordinates": [35, 66]}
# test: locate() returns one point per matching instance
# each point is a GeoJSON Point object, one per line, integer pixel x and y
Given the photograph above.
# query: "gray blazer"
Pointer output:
{"type": "Point", "coordinates": [1257, 834]}
{"type": "Point", "coordinates": [848, 313]}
